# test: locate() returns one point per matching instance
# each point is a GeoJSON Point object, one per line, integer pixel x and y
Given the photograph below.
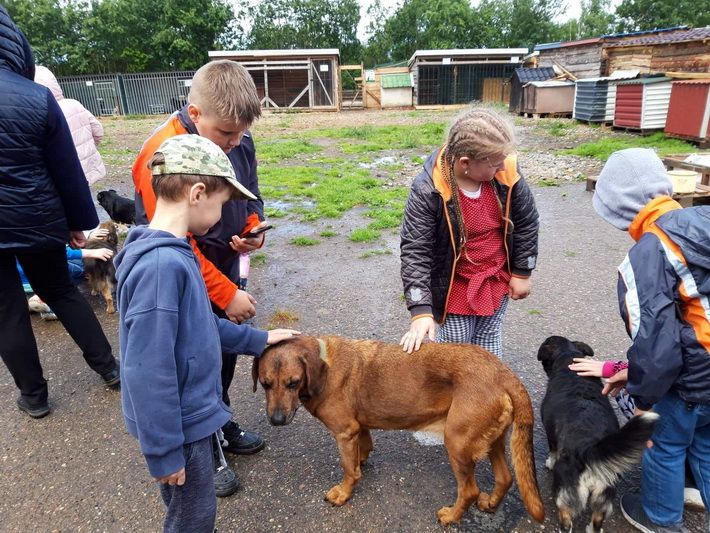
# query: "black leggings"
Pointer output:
{"type": "Point", "coordinates": [48, 275]}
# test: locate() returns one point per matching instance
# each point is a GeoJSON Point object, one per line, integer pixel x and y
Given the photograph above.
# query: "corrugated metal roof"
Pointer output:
{"type": "Point", "coordinates": [534, 74]}
{"type": "Point", "coordinates": [645, 81]}
{"type": "Point", "coordinates": [644, 32]}
{"type": "Point", "coordinates": [693, 34]}
{"type": "Point", "coordinates": [611, 36]}
{"type": "Point", "coordinates": [473, 52]}
{"type": "Point", "coordinates": [393, 81]}
{"type": "Point", "coordinates": [550, 83]}
{"type": "Point", "coordinates": [692, 82]}
{"type": "Point", "coordinates": [297, 52]}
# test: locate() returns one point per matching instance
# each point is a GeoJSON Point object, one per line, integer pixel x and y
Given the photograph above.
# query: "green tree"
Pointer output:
{"type": "Point", "coordinates": [532, 22]}
{"type": "Point", "coordinates": [636, 15]}
{"type": "Point", "coordinates": [276, 24]}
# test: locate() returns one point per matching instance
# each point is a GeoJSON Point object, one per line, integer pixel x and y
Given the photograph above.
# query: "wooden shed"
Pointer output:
{"type": "Point", "coordinates": [521, 77]}
{"type": "Point", "coordinates": [548, 97]}
{"type": "Point", "coordinates": [642, 104]}
{"type": "Point", "coordinates": [292, 79]}
{"type": "Point", "coordinates": [678, 51]}
{"type": "Point", "coordinates": [450, 77]}
{"type": "Point", "coordinates": [689, 110]}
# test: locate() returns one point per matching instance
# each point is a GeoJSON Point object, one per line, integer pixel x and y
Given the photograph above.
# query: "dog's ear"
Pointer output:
{"type": "Point", "coordinates": [584, 348]}
{"type": "Point", "coordinates": [255, 372]}
{"type": "Point", "coordinates": [315, 370]}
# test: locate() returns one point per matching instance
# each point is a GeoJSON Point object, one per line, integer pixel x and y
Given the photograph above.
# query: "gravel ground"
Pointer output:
{"type": "Point", "coordinates": [78, 470]}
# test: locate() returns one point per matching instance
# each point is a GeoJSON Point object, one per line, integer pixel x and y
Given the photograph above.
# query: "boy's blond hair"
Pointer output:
{"type": "Point", "coordinates": [174, 187]}
{"type": "Point", "coordinates": [225, 90]}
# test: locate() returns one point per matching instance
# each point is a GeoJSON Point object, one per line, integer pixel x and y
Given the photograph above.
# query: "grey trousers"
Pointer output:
{"type": "Point", "coordinates": [193, 506]}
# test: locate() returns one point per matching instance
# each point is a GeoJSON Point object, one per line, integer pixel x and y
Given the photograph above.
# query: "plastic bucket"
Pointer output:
{"type": "Point", "coordinates": [683, 181]}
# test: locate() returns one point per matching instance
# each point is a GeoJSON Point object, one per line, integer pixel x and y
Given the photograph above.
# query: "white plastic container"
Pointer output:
{"type": "Point", "coordinates": [683, 181]}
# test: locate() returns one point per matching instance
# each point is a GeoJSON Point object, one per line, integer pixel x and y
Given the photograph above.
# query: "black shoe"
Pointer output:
{"type": "Point", "coordinates": [632, 509]}
{"type": "Point", "coordinates": [35, 411]}
{"type": "Point", "coordinates": [112, 378]}
{"type": "Point", "coordinates": [240, 441]}
{"type": "Point", "coordinates": [225, 480]}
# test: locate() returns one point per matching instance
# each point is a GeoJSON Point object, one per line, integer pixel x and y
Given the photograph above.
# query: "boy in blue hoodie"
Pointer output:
{"type": "Point", "coordinates": [171, 390]}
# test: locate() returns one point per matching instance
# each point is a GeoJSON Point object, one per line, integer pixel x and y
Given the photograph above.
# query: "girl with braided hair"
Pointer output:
{"type": "Point", "coordinates": [469, 236]}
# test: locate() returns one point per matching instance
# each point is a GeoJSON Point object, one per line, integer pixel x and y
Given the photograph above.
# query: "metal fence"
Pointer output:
{"type": "Point", "coordinates": [129, 94]}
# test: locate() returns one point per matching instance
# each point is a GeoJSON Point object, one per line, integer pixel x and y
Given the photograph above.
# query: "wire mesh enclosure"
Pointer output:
{"type": "Point", "coordinates": [461, 84]}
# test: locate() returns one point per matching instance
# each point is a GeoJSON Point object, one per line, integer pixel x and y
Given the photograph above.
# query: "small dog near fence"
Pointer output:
{"type": "Point", "coordinates": [102, 274]}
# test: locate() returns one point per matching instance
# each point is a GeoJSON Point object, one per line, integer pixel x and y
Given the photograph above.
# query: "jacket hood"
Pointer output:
{"type": "Point", "coordinates": [15, 52]}
{"type": "Point", "coordinates": [45, 77]}
{"type": "Point", "coordinates": [689, 228]}
{"type": "Point", "coordinates": [141, 240]}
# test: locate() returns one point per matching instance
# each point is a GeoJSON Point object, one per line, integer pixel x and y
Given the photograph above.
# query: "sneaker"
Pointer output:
{"type": "Point", "coordinates": [225, 480]}
{"type": "Point", "coordinates": [632, 509]}
{"type": "Point", "coordinates": [48, 315]}
{"type": "Point", "coordinates": [240, 441]}
{"type": "Point", "coordinates": [692, 499]}
{"type": "Point", "coordinates": [35, 411]}
{"type": "Point", "coordinates": [36, 305]}
{"type": "Point", "coordinates": [112, 378]}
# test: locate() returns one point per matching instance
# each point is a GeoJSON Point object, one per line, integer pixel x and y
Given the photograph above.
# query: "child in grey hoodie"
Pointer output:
{"type": "Point", "coordinates": [664, 299]}
{"type": "Point", "coordinates": [171, 341]}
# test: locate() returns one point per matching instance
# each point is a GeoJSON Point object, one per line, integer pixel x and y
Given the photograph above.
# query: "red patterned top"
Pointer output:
{"type": "Point", "coordinates": [481, 278]}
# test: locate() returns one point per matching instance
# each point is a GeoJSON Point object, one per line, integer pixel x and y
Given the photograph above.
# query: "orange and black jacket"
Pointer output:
{"type": "Point", "coordinates": [664, 298]}
{"type": "Point", "coordinates": [430, 242]}
{"type": "Point", "coordinates": [219, 264]}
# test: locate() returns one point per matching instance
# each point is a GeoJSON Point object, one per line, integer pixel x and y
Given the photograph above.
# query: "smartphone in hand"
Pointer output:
{"type": "Point", "coordinates": [256, 232]}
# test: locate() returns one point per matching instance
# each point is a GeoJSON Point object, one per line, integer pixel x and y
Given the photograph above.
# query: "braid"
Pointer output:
{"type": "Point", "coordinates": [447, 166]}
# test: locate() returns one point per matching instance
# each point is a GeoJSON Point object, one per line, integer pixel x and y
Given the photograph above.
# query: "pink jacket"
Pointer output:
{"type": "Point", "coordinates": [86, 131]}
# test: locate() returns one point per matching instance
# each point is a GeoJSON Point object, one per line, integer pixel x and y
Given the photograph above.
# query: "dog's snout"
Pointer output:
{"type": "Point", "coordinates": [278, 418]}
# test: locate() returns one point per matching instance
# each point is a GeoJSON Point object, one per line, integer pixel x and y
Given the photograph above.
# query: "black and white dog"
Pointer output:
{"type": "Point", "coordinates": [588, 451]}
{"type": "Point", "coordinates": [120, 209]}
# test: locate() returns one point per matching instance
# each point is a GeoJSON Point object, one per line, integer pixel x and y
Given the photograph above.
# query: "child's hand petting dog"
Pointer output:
{"type": "Point", "coordinates": [77, 239]}
{"type": "Point", "coordinates": [277, 335]}
{"type": "Point", "coordinates": [178, 478]}
{"type": "Point", "coordinates": [99, 233]}
{"type": "Point", "coordinates": [616, 382]}
{"type": "Point", "coordinates": [103, 254]}
{"type": "Point", "coordinates": [587, 367]}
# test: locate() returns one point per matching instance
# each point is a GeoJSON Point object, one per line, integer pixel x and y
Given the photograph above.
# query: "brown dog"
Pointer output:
{"type": "Point", "coordinates": [102, 274]}
{"type": "Point", "coordinates": [461, 391]}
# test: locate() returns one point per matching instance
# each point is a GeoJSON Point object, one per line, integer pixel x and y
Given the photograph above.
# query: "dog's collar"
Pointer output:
{"type": "Point", "coordinates": [323, 350]}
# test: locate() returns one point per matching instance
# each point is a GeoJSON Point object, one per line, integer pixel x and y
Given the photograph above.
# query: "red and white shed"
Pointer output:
{"type": "Point", "coordinates": [689, 110]}
{"type": "Point", "coordinates": [642, 103]}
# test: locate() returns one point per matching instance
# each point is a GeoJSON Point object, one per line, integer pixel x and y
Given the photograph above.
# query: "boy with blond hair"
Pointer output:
{"type": "Point", "coordinates": [171, 394]}
{"type": "Point", "coordinates": [222, 105]}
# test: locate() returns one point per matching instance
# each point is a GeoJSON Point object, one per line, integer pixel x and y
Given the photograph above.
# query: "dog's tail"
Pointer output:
{"type": "Point", "coordinates": [521, 445]}
{"type": "Point", "coordinates": [619, 451]}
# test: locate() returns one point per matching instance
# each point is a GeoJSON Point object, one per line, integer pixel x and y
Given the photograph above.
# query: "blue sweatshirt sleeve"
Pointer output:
{"type": "Point", "coordinates": [149, 376]}
{"type": "Point", "coordinates": [65, 170]}
{"type": "Point", "coordinates": [241, 338]}
{"type": "Point", "coordinates": [72, 253]}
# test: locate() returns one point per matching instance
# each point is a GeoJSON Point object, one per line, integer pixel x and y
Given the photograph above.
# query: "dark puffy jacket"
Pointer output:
{"type": "Point", "coordinates": [43, 191]}
{"type": "Point", "coordinates": [430, 244]}
{"type": "Point", "coordinates": [664, 297]}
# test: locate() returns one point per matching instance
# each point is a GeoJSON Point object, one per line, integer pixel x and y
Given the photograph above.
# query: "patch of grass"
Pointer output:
{"type": "Point", "coordinates": [328, 233]}
{"type": "Point", "coordinates": [603, 148]}
{"type": "Point", "coordinates": [278, 150]}
{"type": "Point", "coordinates": [556, 128]}
{"type": "Point", "coordinates": [548, 182]}
{"type": "Point", "coordinates": [273, 212]}
{"type": "Point", "coordinates": [385, 218]}
{"type": "Point", "coordinates": [534, 312]}
{"type": "Point", "coordinates": [370, 138]}
{"type": "Point", "coordinates": [326, 160]}
{"type": "Point", "coordinates": [304, 241]}
{"type": "Point", "coordinates": [569, 253]}
{"type": "Point", "coordinates": [258, 259]}
{"type": "Point", "coordinates": [373, 253]}
{"type": "Point", "coordinates": [105, 151]}
{"type": "Point", "coordinates": [281, 318]}
{"type": "Point", "coordinates": [580, 177]}
{"type": "Point", "coordinates": [364, 235]}
{"type": "Point", "coordinates": [418, 160]}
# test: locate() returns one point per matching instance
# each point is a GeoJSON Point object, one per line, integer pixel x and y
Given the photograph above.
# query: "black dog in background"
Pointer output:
{"type": "Point", "coordinates": [588, 451]}
{"type": "Point", "coordinates": [120, 209]}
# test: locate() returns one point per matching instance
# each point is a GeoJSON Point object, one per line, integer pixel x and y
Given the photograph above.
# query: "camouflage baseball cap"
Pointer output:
{"type": "Point", "coordinates": [198, 156]}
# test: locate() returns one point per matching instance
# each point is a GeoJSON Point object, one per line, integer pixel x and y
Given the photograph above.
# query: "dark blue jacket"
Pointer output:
{"type": "Point", "coordinates": [171, 348]}
{"type": "Point", "coordinates": [664, 298]}
{"type": "Point", "coordinates": [43, 191]}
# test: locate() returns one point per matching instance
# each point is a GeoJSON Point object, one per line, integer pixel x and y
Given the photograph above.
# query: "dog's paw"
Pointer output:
{"type": "Point", "coordinates": [448, 515]}
{"type": "Point", "coordinates": [485, 503]}
{"type": "Point", "coordinates": [338, 495]}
